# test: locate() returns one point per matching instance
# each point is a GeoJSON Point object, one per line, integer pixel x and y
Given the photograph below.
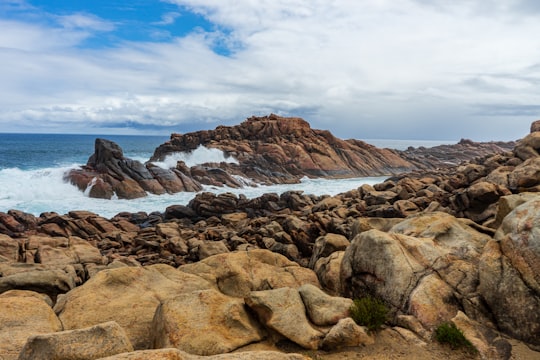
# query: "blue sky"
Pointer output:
{"type": "Point", "coordinates": [409, 69]}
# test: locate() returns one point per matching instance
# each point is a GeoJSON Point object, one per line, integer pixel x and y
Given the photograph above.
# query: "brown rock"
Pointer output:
{"type": "Point", "coordinates": [283, 311]}
{"type": "Point", "coordinates": [346, 333]}
{"type": "Point", "coordinates": [323, 309]}
{"type": "Point", "coordinates": [204, 322]}
{"type": "Point", "coordinates": [127, 295]}
{"type": "Point", "coordinates": [239, 273]}
{"type": "Point", "coordinates": [21, 317]}
{"type": "Point", "coordinates": [90, 343]}
{"type": "Point", "coordinates": [50, 280]}
{"type": "Point", "coordinates": [326, 245]}
{"type": "Point", "coordinates": [509, 273]}
{"type": "Point", "coordinates": [9, 248]}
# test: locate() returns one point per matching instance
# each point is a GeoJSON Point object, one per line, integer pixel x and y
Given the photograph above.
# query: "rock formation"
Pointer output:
{"type": "Point", "coordinates": [457, 244]}
{"type": "Point", "coordinates": [268, 150]}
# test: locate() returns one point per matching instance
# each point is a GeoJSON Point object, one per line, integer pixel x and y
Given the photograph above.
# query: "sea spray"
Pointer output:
{"type": "Point", "coordinates": [198, 156]}
{"type": "Point", "coordinates": [44, 190]}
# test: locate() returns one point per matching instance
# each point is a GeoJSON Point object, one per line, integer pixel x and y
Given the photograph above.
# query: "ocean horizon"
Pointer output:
{"type": "Point", "coordinates": [32, 168]}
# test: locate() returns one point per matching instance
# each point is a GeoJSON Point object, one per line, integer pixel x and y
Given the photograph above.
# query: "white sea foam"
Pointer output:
{"type": "Point", "coordinates": [198, 156]}
{"type": "Point", "coordinates": [44, 190]}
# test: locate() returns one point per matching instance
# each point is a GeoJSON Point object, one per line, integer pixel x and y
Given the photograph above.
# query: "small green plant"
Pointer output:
{"type": "Point", "coordinates": [369, 312]}
{"type": "Point", "coordinates": [449, 333]}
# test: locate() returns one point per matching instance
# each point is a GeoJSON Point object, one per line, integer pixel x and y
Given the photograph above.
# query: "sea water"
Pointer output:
{"type": "Point", "coordinates": [32, 168]}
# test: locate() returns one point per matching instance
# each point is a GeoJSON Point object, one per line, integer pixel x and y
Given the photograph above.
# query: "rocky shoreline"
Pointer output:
{"type": "Point", "coordinates": [436, 244]}
{"type": "Point", "coordinates": [263, 150]}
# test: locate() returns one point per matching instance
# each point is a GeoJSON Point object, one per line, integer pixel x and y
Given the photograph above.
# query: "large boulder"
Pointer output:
{"type": "Point", "coordinates": [282, 310]}
{"type": "Point", "coordinates": [346, 333]}
{"type": "Point", "coordinates": [91, 343]}
{"type": "Point", "coordinates": [426, 265]}
{"type": "Point", "coordinates": [510, 273]}
{"type": "Point", "coordinates": [127, 295]}
{"type": "Point", "coordinates": [47, 279]}
{"type": "Point", "coordinates": [323, 309]}
{"type": "Point", "coordinates": [23, 314]}
{"type": "Point", "coordinates": [204, 322]}
{"type": "Point", "coordinates": [239, 273]}
{"type": "Point", "coordinates": [175, 354]}
{"type": "Point", "coordinates": [9, 248]}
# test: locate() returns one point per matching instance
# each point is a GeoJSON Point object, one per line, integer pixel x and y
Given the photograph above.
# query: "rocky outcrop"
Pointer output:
{"type": "Point", "coordinates": [266, 150]}
{"type": "Point", "coordinates": [453, 154]}
{"type": "Point", "coordinates": [275, 149]}
{"type": "Point", "coordinates": [108, 173]}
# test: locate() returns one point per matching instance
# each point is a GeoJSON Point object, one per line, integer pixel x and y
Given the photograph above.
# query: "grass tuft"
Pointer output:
{"type": "Point", "coordinates": [449, 333]}
{"type": "Point", "coordinates": [369, 312]}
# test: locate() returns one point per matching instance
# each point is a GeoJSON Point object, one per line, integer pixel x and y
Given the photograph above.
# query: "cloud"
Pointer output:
{"type": "Point", "coordinates": [168, 18]}
{"type": "Point", "coordinates": [84, 21]}
{"type": "Point", "coordinates": [401, 68]}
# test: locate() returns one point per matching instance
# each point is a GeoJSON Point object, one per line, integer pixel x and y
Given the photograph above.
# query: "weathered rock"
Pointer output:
{"type": "Point", "coordinates": [90, 343]}
{"type": "Point", "coordinates": [510, 273]}
{"type": "Point", "coordinates": [346, 333]}
{"type": "Point", "coordinates": [274, 149]}
{"type": "Point", "coordinates": [323, 309]}
{"type": "Point", "coordinates": [283, 311]}
{"type": "Point", "coordinates": [9, 248]}
{"type": "Point", "coordinates": [326, 245]}
{"type": "Point", "coordinates": [328, 272]}
{"type": "Point", "coordinates": [399, 267]}
{"type": "Point", "coordinates": [175, 354]}
{"type": "Point", "coordinates": [508, 203]}
{"type": "Point", "coordinates": [50, 280]}
{"type": "Point", "coordinates": [526, 176]}
{"type": "Point", "coordinates": [23, 315]}
{"type": "Point", "coordinates": [488, 343]}
{"type": "Point", "coordinates": [127, 295]}
{"type": "Point", "coordinates": [239, 273]}
{"type": "Point", "coordinates": [376, 264]}
{"type": "Point", "coordinates": [204, 322]}
{"type": "Point", "coordinates": [529, 146]}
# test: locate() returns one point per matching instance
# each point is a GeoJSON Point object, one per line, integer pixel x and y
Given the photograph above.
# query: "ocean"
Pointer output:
{"type": "Point", "coordinates": [32, 168]}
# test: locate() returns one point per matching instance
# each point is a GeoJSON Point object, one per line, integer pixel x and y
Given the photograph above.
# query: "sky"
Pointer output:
{"type": "Point", "coordinates": [364, 69]}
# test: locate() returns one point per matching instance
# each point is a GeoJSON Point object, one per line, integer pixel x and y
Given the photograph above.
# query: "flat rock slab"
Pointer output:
{"type": "Point", "coordinates": [89, 343]}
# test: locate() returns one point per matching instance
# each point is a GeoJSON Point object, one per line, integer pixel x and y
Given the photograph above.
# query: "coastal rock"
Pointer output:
{"type": "Point", "coordinates": [50, 280]}
{"type": "Point", "coordinates": [346, 333]}
{"type": "Point", "coordinates": [237, 274]}
{"type": "Point", "coordinates": [22, 316]}
{"type": "Point", "coordinates": [287, 148]}
{"type": "Point", "coordinates": [326, 245]}
{"type": "Point", "coordinates": [127, 295]}
{"type": "Point", "coordinates": [399, 266]}
{"type": "Point", "coordinates": [323, 309]}
{"type": "Point", "coordinates": [204, 322]}
{"type": "Point", "coordinates": [90, 343]}
{"type": "Point", "coordinates": [9, 248]}
{"type": "Point", "coordinates": [175, 354]}
{"type": "Point", "coordinates": [509, 273]}
{"type": "Point", "coordinates": [283, 311]}
{"type": "Point", "coordinates": [328, 272]}
{"type": "Point", "coordinates": [486, 341]}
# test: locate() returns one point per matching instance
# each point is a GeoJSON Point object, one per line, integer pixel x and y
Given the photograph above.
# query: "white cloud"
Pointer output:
{"type": "Point", "coordinates": [85, 21]}
{"type": "Point", "coordinates": [399, 68]}
{"type": "Point", "coordinates": [168, 18]}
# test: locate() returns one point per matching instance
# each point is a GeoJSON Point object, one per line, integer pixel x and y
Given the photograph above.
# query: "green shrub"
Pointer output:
{"type": "Point", "coordinates": [369, 312]}
{"type": "Point", "coordinates": [449, 333]}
